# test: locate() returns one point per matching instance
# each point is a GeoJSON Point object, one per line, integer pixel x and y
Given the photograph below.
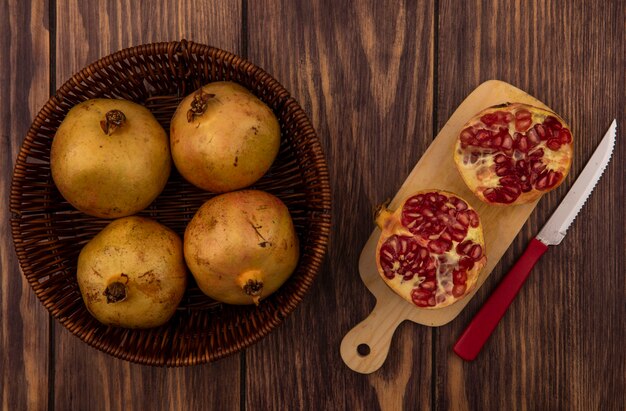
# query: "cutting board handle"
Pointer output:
{"type": "Point", "coordinates": [365, 347]}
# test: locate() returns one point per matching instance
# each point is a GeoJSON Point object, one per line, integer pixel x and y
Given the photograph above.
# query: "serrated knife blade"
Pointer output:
{"type": "Point", "coordinates": [555, 229]}
{"type": "Point", "coordinates": [482, 325]}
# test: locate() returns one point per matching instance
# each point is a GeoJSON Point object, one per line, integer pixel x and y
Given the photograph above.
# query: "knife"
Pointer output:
{"type": "Point", "coordinates": [482, 325]}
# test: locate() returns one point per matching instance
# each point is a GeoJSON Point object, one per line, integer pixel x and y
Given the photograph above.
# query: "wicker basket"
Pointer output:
{"type": "Point", "coordinates": [49, 233]}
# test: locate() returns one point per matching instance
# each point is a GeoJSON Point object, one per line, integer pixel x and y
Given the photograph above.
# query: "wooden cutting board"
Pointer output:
{"type": "Point", "coordinates": [365, 347]}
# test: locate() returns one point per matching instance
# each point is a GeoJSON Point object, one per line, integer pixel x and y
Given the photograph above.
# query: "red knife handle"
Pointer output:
{"type": "Point", "coordinates": [478, 331]}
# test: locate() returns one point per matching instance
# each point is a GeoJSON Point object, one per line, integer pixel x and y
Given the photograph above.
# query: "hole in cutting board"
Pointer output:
{"type": "Point", "coordinates": [363, 350]}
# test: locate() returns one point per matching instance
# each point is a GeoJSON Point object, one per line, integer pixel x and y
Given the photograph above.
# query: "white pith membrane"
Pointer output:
{"type": "Point", "coordinates": [422, 245]}
{"type": "Point", "coordinates": [478, 166]}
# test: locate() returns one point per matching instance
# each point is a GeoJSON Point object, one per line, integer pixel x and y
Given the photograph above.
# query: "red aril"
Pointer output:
{"type": "Point", "coordinates": [513, 153]}
{"type": "Point", "coordinates": [431, 248]}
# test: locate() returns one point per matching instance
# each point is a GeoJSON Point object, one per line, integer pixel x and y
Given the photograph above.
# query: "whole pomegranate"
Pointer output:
{"type": "Point", "coordinates": [132, 273]}
{"type": "Point", "coordinates": [110, 158]}
{"type": "Point", "coordinates": [241, 246]}
{"type": "Point", "coordinates": [431, 248]}
{"type": "Point", "coordinates": [513, 153]}
{"type": "Point", "coordinates": [223, 138]}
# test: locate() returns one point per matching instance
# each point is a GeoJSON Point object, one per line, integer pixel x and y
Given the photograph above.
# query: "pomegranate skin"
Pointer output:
{"type": "Point", "coordinates": [228, 142]}
{"type": "Point", "coordinates": [241, 246]}
{"type": "Point", "coordinates": [114, 174]}
{"type": "Point", "coordinates": [132, 274]}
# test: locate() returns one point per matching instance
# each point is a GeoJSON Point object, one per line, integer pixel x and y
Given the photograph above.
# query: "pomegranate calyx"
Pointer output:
{"type": "Point", "coordinates": [113, 119]}
{"type": "Point", "coordinates": [199, 104]}
{"type": "Point", "coordinates": [382, 215]}
{"type": "Point", "coordinates": [115, 292]}
{"type": "Point", "coordinates": [251, 284]}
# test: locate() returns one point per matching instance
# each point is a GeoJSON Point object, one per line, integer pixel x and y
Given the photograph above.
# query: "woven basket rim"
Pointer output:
{"type": "Point", "coordinates": [158, 48]}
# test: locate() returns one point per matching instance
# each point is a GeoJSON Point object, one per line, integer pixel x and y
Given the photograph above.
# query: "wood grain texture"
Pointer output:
{"type": "Point", "coordinates": [364, 74]}
{"type": "Point", "coordinates": [84, 377]}
{"type": "Point", "coordinates": [24, 88]}
{"type": "Point", "coordinates": [378, 79]}
{"type": "Point", "coordinates": [560, 345]}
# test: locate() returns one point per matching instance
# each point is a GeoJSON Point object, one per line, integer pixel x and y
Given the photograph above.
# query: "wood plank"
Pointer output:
{"type": "Point", "coordinates": [24, 88]}
{"type": "Point", "coordinates": [84, 377]}
{"type": "Point", "coordinates": [560, 346]}
{"type": "Point", "coordinates": [364, 74]}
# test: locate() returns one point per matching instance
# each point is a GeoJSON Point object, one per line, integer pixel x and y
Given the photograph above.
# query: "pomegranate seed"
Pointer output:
{"type": "Point", "coordinates": [466, 263]}
{"type": "Point", "coordinates": [508, 181]}
{"type": "Point", "coordinates": [428, 213]}
{"type": "Point", "coordinates": [467, 136]}
{"type": "Point", "coordinates": [428, 285]}
{"type": "Point", "coordinates": [457, 226]}
{"type": "Point", "coordinates": [522, 114]}
{"type": "Point", "coordinates": [536, 154]}
{"type": "Point", "coordinates": [489, 119]}
{"type": "Point", "coordinates": [537, 166]}
{"type": "Point", "coordinates": [542, 181]}
{"type": "Point", "coordinates": [565, 136]}
{"type": "Point", "coordinates": [508, 117]}
{"type": "Point", "coordinates": [439, 246]}
{"type": "Point", "coordinates": [502, 171]}
{"type": "Point", "coordinates": [533, 137]}
{"type": "Point", "coordinates": [458, 290]}
{"type": "Point", "coordinates": [432, 197]}
{"type": "Point", "coordinates": [473, 216]}
{"type": "Point", "coordinates": [482, 135]}
{"type": "Point", "coordinates": [513, 189]}
{"type": "Point", "coordinates": [420, 303]}
{"type": "Point", "coordinates": [507, 142]}
{"type": "Point", "coordinates": [553, 178]}
{"type": "Point", "coordinates": [497, 141]}
{"type": "Point", "coordinates": [463, 218]}
{"type": "Point", "coordinates": [522, 125]}
{"type": "Point", "coordinates": [464, 247]}
{"type": "Point", "coordinates": [522, 144]}
{"type": "Point", "coordinates": [541, 131]}
{"type": "Point", "coordinates": [476, 252]}
{"type": "Point", "coordinates": [420, 293]}
{"type": "Point", "coordinates": [499, 158]}
{"type": "Point", "coordinates": [458, 235]}
{"type": "Point", "coordinates": [461, 205]}
{"type": "Point", "coordinates": [554, 144]}
{"type": "Point", "coordinates": [460, 276]}
{"type": "Point", "coordinates": [508, 194]}
{"type": "Point", "coordinates": [446, 236]}
{"type": "Point", "coordinates": [552, 122]}
{"type": "Point", "coordinates": [431, 301]}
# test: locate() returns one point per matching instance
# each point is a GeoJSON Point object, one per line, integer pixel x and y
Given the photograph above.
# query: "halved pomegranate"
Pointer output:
{"type": "Point", "coordinates": [513, 153]}
{"type": "Point", "coordinates": [431, 248]}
